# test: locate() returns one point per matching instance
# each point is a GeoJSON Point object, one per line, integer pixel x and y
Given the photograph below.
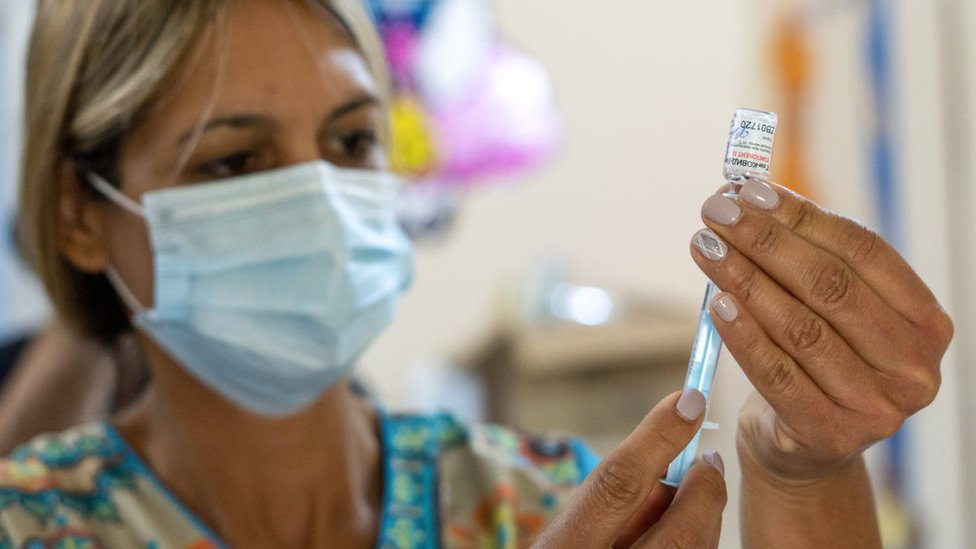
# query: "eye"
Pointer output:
{"type": "Point", "coordinates": [360, 143]}
{"type": "Point", "coordinates": [230, 165]}
{"type": "Point", "coordinates": [355, 147]}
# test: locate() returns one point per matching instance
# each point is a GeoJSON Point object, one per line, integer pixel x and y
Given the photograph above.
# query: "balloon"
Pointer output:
{"type": "Point", "coordinates": [507, 124]}
{"type": "Point", "coordinates": [467, 109]}
{"type": "Point", "coordinates": [413, 11]}
{"type": "Point", "coordinates": [414, 152]}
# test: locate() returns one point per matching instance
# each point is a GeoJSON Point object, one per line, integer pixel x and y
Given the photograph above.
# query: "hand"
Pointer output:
{"type": "Point", "coordinates": [622, 504]}
{"type": "Point", "coordinates": [839, 336]}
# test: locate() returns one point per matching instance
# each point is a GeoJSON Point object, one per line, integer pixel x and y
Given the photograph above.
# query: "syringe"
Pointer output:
{"type": "Point", "coordinates": [747, 156]}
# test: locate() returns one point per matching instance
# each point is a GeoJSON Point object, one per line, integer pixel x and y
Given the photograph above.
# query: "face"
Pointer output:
{"type": "Point", "coordinates": [278, 84]}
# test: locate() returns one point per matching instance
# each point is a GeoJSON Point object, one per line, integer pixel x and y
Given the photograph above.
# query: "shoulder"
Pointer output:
{"type": "Point", "coordinates": [498, 485]}
{"type": "Point", "coordinates": [84, 488]}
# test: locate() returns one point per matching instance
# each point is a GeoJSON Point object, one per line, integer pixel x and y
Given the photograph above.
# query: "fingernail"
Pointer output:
{"type": "Point", "coordinates": [725, 308]}
{"type": "Point", "coordinates": [691, 405]}
{"type": "Point", "coordinates": [710, 245]}
{"type": "Point", "coordinates": [759, 194]}
{"type": "Point", "coordinates": [713, 458]}
{"type": "Point", "coordinates": [722, 210]}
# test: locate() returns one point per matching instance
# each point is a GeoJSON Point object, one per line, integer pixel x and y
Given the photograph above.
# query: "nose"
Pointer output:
{"type": "Point", "coordinates": [299, 149]}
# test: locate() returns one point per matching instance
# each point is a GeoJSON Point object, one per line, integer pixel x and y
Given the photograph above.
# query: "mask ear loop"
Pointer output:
{"type": "Point", "coordinates": [113, 194]}
{"type": "Point", "coordinates": [120, 288]}
{"type": "Point", "coordinates": [116, 196]}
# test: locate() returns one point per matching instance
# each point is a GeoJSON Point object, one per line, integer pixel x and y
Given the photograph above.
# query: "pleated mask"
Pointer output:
{"type": "Point", "coordinates": [268, 286]}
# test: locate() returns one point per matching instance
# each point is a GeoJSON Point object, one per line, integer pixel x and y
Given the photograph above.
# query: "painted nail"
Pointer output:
{"type": "Point", "coordinates": [721, 209]}
{"type": "Point", "coordinates": [710, 245]}
{"type": "Point", "coordinates": [691, 405]}
{"type": "Point", "coordinates": [725, 308]}
{"type": "Point", "coordinates": [759, 194]}
{"type": "Point", "coordinates": [713, 458]}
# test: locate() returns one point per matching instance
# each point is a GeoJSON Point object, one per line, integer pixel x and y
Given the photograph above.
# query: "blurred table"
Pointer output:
{"type": "Point", "coordinates": [594, 381]}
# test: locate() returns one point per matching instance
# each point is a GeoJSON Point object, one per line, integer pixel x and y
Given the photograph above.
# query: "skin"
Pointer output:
{"type": "Point", "coordinates": [834, 370]}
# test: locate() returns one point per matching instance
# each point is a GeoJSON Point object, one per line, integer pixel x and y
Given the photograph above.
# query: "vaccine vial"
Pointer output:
{"type": "Point", "coordinates": [750, 147]}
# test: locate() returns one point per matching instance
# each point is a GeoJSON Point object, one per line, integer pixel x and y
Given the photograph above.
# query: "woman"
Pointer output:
{"type": "Point", "coordinates": [214, 170]}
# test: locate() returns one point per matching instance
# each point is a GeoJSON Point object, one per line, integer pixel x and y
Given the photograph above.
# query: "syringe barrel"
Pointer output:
{"type": "Point", "coordinates": [701, 375]}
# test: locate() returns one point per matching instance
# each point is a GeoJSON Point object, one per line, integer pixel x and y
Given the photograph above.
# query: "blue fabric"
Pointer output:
{"type": "Point", "coordinates": [586, 458]}
{"type": "Point", "coordinates": [410, 448]}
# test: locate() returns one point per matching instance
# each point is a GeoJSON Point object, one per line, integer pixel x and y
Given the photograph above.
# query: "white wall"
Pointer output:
{"type": "Point", "coordinates": [940, 113]}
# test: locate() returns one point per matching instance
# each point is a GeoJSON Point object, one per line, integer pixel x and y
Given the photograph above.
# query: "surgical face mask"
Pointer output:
{"type": "Point", "coordinates": [269, 286]}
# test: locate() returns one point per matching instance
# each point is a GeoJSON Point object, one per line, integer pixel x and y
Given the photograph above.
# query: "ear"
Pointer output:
{"type": "Point", "coordinates": [81, 223]}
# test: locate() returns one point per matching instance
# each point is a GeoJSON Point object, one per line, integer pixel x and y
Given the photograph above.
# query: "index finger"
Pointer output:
{"type": "Point", "coordinates": [616, 489]}
{"type": "Point", "coordinates": [866, 252]}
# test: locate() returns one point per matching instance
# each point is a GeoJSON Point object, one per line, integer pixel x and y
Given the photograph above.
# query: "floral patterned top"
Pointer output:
{"type": "Point", "coordinates": [447, 484]}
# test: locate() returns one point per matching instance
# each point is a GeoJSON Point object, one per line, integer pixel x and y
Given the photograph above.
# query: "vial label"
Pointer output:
{"type": "Point", "coordinates": [750, 146]}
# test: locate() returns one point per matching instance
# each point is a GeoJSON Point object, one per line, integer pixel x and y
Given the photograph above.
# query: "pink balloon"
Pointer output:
{"type": "Point", "coordinates": [507, 123]}
{"type": "Point", "coordinates": [400, 42]}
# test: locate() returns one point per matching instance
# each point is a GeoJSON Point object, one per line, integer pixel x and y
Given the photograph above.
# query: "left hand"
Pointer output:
{"type": "Point", "coordinates": [835, 330]}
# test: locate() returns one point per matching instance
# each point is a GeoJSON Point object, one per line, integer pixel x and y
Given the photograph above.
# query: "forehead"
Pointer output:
{"type": "Point", "coordinates": [278, 57]}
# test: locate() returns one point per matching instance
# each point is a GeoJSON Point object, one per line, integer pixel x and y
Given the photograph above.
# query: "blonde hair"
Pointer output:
{"type": "Point", "coordinates": [95, 67]}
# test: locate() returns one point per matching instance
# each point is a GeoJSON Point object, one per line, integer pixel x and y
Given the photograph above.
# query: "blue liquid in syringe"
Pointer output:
{"type": "Point", "coordinates": [701, 374]}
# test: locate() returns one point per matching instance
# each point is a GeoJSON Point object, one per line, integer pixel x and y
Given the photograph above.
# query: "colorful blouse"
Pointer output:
{"type": "Point", "coordinates": [447, 484]}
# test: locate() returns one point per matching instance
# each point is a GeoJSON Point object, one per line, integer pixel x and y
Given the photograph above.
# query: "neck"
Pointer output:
{"type": "Point", "coordinates": [312, 479]}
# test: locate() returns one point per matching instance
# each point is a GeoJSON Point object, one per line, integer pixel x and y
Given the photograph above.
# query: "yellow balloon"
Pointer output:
{"type": "Point", "coordinates": [414, 151]}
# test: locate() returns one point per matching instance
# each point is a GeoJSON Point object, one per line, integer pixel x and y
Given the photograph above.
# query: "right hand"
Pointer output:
{"type": "Point", "coordinates": [622, 503]}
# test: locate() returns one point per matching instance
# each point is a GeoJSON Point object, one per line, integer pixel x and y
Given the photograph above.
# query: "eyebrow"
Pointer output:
{"type": "Point", "coordinates": [241, 120]}
{"type": "Point", "coordinates": [260, 121]}
{"type": "Point", "coordinates": [367, 100]}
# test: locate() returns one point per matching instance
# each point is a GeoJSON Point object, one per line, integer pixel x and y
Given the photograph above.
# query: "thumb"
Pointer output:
{"type": "Point", "coordinates": [616, 489]}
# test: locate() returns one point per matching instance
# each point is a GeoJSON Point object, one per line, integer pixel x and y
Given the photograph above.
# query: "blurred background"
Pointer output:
{"type": "Point", "coordinates": [554, 288]}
